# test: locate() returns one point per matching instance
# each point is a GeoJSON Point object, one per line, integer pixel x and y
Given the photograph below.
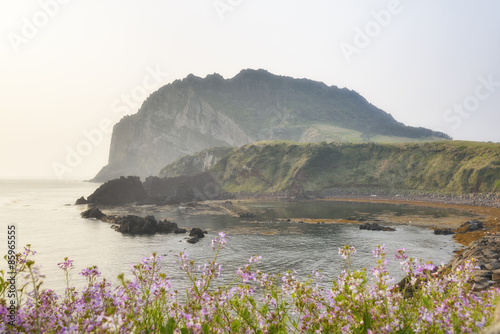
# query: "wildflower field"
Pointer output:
{"type": "Point", "coordinates": [433, 300]}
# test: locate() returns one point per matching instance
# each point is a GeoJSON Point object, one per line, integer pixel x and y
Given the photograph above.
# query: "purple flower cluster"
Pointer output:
{"type": "Point", "coordinates": [434, 300]}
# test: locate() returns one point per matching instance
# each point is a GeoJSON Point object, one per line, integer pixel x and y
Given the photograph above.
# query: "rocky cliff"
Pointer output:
{"type": "Point", "coordinates": [190, 115]}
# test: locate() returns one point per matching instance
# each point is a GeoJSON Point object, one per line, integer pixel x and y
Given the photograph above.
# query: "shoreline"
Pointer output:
{"type": "Point", "coordinates": [491, 216]}
{"type": "Point", "coordinates": [485, 207]}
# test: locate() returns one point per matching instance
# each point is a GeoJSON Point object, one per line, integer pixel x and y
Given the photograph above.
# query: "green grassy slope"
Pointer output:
{"type": "Point", "coordinates": [196, 163]}
{"type": "Point", "coordinates": [438, 167]}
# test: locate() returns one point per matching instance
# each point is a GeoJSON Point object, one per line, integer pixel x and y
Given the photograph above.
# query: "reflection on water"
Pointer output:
{"type": "Point", "coordinates": [56, 230]}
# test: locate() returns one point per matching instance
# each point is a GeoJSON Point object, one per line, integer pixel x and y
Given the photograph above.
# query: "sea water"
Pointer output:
{"type": "Point", "coordinates": [45, 217]}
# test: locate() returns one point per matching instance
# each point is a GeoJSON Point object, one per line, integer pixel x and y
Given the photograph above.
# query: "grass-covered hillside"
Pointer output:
{"type": "Point", "coordinates": [196, 163]}
{"type": "Point", "coordinates": [438, 167]}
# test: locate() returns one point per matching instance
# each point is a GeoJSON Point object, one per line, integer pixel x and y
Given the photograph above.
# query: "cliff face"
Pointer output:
{"type": "Point", "coordinates": [194, 114]}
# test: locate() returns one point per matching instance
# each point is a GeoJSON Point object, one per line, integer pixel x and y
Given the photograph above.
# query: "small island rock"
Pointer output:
{"type": "Point", "coordinates": [81, 201]}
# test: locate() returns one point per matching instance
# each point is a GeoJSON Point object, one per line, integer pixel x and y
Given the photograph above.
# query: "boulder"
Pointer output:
{"type": "Point", "coordinates": [193, 240]}
{"type": "Point", "coordinates": [471, 225]}
{"type": "Point", "coordinates": [197, 233]}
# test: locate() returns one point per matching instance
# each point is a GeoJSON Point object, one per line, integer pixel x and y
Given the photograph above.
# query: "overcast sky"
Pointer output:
{"type": "Point", "coordinates": [70, 69]}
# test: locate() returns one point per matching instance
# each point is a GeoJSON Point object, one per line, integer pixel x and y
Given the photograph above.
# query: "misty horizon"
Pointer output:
{"type": "Point", "coordinates": [70, 69]}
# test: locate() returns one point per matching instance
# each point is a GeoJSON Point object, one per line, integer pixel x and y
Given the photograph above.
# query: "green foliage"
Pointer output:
{"type": "Point", "coordinates": [439, 167]}
{"type": "Point", "coordinates": [196, 163]}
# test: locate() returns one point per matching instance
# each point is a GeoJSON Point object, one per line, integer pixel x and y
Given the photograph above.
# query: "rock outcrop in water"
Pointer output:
{"type": "Point", "coordinates": [375, 227]}
{"type": "Point", "coordinates": [81, 201]}
{"type": "Point", "coordinates": [159, 191]}
{"type": "Point", "coordinates": [119, 191]}
{"type": "Point", "coordinates": [196, 234]}
{"type": "Point", "coordinates": [193, 114]}
{"type": "Point", "coordinates": [132, 224]}
{"type": "Point", "coordinates": [94, 213]}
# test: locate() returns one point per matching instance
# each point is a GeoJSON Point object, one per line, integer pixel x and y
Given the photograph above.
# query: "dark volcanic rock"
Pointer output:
{"type": "Point", "coordinates": [193, 240]}
{"type": "Point", "coordinates": [443, 231]}
{"type": "Point", "coordinates": [136, 225]}
{"type": "Point", "coordinates": [375, 227]}
{"type": "Point", "coordinates": [197, 233]}
{"type": "Point", "coordinates": [94, 213]}
{"type": "Point", "coordinates": [471, 225]}
{"type": "Point", "coordinates": [174, 190]}
{"type": "Point", "coordinates": [486, 252]}
{"type": "Point", "coordinates": [165, 226]}
{"type": "Point", "coordinates": [81, 200]}
{"type": "Point", "coordinates": [180, 230]}
{"type": "Point", "coordinates": [132, 224]}
{"type": "Point", "coordinates": [119, 191]}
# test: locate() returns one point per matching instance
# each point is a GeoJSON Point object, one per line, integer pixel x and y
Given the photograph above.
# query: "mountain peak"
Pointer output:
{"type": "Point", "coordinates": [193, 114]}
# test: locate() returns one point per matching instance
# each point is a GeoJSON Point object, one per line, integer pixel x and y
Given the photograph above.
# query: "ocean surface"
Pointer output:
{"type": "Point", "coordinates": [45, 217]}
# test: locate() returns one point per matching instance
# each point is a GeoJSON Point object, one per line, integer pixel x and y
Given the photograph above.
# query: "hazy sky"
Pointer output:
{"type": "Point", "coordinates": [69, 69]}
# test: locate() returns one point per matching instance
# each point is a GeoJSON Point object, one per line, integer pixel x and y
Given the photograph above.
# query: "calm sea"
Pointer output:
{"type": "Point", "coordinates": [44, 217]}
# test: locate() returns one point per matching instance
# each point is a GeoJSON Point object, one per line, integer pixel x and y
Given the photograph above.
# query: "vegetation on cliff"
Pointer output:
{"type": "Point", "coordinates": [437, 167]}
{"type": "Point", "coordinates": [196, 163]}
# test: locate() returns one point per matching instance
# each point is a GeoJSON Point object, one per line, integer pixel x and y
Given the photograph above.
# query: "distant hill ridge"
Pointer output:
{"type": "Point", "coordinates": [193, 114]}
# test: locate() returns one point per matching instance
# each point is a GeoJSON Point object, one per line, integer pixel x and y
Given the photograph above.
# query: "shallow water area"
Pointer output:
{"type": "Point", "coordinates": [43, 218]}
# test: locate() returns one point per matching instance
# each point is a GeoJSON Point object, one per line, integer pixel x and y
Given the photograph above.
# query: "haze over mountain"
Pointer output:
{"type": "Point", "coordinates": [190, 115]}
